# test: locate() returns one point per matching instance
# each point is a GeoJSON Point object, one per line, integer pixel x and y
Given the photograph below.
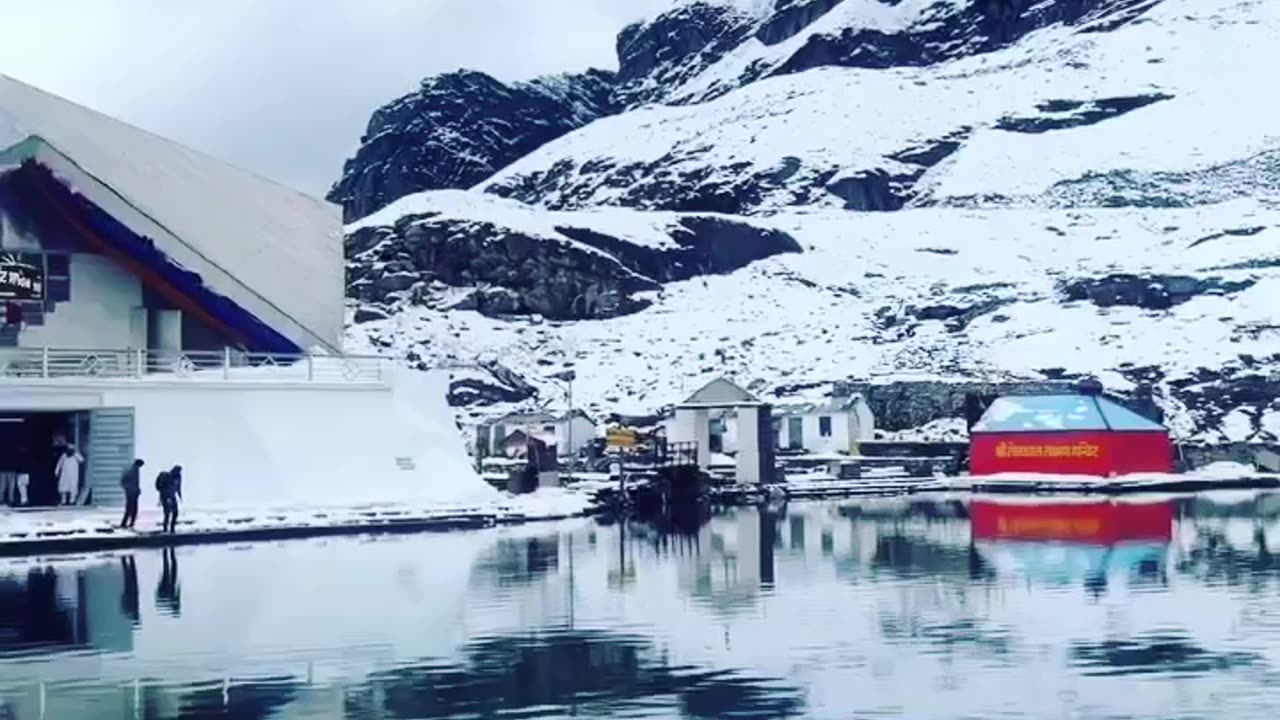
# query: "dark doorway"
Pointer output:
{"type": "Point", "coordinates": [30, 442]}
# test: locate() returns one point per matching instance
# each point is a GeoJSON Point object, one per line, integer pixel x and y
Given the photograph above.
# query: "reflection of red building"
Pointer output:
{"type": "Point", "coordinates": [1067, 435]}
{"type": "Point", "coordinates": [1100, 523]}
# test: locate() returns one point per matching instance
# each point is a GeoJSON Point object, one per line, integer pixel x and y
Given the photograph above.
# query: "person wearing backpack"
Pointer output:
{"type": "Point", "coordinates": [169, 487]}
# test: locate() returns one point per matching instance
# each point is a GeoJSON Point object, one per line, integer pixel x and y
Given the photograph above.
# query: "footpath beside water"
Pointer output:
{"type": "Point", "coordinates": [74, 530]}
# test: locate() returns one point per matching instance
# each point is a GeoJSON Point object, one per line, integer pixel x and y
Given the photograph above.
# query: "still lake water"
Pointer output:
{"type": "Point", "coordinates": [852, 609]}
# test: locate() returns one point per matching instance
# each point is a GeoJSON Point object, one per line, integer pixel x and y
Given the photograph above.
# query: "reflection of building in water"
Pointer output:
{"type": "Point", "coordinates": [521, 561]}
{"type": "Point", "coordinates": [66, 606]}
{"type": "Point", "coordinates": [1075, 542]}
{"type": "Point", "coordinates": [732, 559]}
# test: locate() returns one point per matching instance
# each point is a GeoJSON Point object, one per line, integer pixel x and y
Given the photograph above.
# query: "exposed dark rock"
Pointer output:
{"type": "Point", "coordinates": [871, 190]}
{"type": "Point", "coordinates": [1210, 394]}
{"type": "Point", "coordinates": [707, 246]}
{"type": "Point", "coordinates": [656, 57]}
{"type": "Point", "coordinates": [928, 154]}
{"type": "Point", "coordinates": [556, 280]}
{"type": "Point", "coordinates": [978, 27]}
{"type": "Point", "coordinates": [458, 129]}
{"type": "Point", "coordinates": [513, 273]}
{"type": "Point", "coordinates": [1080, 114]}
{"type": "Point", "coordinates": [907, 405]}
{"type": "Point", "coordinates": [1152, 292]}
{"type": "Point", "coordinates": [957, 317]}
{"type": "Point", "coordinates": [368, 313]}
{"type": "Point", "coordinates": [1233, 232]}
{"type": "Point", "coordinates": [491, 383]}
{"type": "Point", "coordinates": [671, 183]}
{"type": "Point", "coordinates": [790, 17]}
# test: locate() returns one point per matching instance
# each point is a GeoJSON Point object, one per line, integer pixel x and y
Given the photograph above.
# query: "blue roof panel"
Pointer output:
{"type": "Point", "coordinates": [1059, 413]}
{"type": "Point", "coordinates": [1120, 417]}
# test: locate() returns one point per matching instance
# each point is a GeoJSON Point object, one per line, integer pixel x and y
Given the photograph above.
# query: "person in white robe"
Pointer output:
{"type": "Point", "coordinates": [68, 474]}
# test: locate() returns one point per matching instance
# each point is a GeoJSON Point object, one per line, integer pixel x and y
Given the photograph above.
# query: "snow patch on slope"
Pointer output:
{"type": "Point", "coordinates": [650, 230]}
{"type": "Point", "coordinates": [851, 307]}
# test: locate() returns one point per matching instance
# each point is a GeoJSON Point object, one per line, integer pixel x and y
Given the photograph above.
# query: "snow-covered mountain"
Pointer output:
{"type": "Point", "coordinates": [458, 129]}
{"type": "Point", "coordinates": [800, 193]}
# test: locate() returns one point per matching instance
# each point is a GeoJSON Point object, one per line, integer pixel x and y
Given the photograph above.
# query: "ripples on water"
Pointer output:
{"type": "Point", "coordinates": [869, 609]}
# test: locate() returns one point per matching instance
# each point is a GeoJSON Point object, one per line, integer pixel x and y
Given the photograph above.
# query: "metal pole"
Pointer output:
{"type": "Point", "coordinates": [44, 372]}
{"type": "Point", "coordinates": [226, 362]}
{"type": "Point", "coordinates": [573, 456]}
{"type": "Point", "coordinates": [310, 368]}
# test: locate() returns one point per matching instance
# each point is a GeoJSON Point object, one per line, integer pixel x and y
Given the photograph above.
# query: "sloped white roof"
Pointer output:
{"type": "Point", "coordinates": [274, 251]}
{"type": "Point", "coordinates": [721, 392]}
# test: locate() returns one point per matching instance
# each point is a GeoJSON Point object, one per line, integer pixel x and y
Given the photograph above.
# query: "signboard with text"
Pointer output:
{"type": "Point", "coordinates": [20, 280]}
{"type": "Point", "coordinates": [1098, 453]}
{"type": "Point", "coordinates": [621, 437]}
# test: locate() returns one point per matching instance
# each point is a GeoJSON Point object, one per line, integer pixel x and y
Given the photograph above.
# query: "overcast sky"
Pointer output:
{"type": "Point", "coordinates": [285, 87]}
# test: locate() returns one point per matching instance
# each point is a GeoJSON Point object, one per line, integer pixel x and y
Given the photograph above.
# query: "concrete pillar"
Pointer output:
{"type": "Point", "coordinates": [755, 444]}
{"type": "Point", "coordinates": [692, 426]}
{"type": "Point", "coordinates": [165, 335]}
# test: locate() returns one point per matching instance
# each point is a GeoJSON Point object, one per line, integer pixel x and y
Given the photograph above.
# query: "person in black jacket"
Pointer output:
{"type": "Point", "coordinates": [169, 486]}
{"type": "Point", "coordinates": [132, 486]}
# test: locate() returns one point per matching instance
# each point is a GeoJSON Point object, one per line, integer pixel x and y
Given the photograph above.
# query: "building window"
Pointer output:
{"type": "Point", "coordinates": [824, 426]}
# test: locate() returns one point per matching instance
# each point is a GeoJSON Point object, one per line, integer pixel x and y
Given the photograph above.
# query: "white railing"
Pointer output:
{"type": "Point", "coordinates": [56, 363]}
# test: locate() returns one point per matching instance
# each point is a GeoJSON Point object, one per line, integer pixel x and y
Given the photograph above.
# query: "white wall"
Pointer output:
{"type": "Point", "coordinates": [100, 314]}
{"type": "Point", "coordinates": [277, 445]}
{"type": "Point", "coordinates": [845, 432]}
{"type": "Point", "coordinates": [583, 432]}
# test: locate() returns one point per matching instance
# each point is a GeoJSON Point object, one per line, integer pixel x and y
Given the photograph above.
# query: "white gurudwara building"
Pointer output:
{"type": "Point", "coordinates": [161, 304]}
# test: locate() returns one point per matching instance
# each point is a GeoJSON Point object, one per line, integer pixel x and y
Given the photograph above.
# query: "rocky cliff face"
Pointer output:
{"type": "Point", "coordinates": [656, 58]}
{"type": "Point", "coordinates": [499, 259]}
{"type": "Point", "coordinates": [460, 128]}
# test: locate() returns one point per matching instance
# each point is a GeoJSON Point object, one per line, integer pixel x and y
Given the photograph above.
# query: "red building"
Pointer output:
{"type": "Point", "coordinates": [1067, 435]}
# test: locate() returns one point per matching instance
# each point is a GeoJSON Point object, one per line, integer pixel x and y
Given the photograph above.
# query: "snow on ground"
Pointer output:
{"type": "Point", "coordinates": [844, 308]}
{"type": "Point", "coordinates": [1205, 54]}
{"type": "Point", "coordinates": [652, 230]}
{"type": "Point", "coordinates": [547, 503]}
{"type": "Point", "coordinates": [941, 430]}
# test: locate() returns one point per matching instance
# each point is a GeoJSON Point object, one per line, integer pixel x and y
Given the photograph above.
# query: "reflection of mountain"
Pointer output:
{"type": "Point", "coordinates": [1171, 654]}
{"type": "Point", "coordinates": [588, 672]}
